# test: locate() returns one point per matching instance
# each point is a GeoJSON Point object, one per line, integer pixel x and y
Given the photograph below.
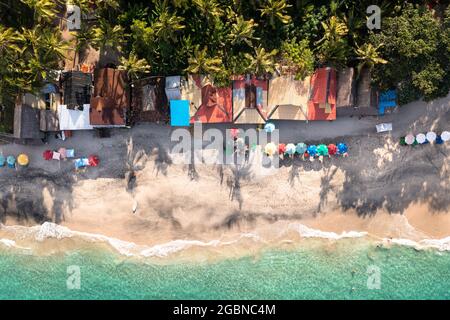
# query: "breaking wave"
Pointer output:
{"type": "Point", "coordinates": [50, 230]}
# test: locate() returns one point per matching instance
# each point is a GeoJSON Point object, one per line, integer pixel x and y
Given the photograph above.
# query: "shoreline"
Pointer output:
{"type": "Point", "coordinates": [383, 189]}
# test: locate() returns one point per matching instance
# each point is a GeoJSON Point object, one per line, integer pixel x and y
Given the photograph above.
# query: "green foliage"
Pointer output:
{"type": "Point", "coordinates": [134, 66]}
{"type": "Point", "coordinates": [262, 62]}
{"type": "Point", "coordinates": [201, 63]}
{"type": "Point", "coordinates": [299, 57]}
{"type": "Point", "coordinates": [415, 46]}
{"type": "Point", "coordinates": [275, 10]}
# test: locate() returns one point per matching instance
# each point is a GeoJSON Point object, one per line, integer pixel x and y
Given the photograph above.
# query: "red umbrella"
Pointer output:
{"type": "Point", "coordinates": [332, 149]}
{"type": "Point", "coordinates": [306, 154]}
{"type": "Point", "coordinates": [48, 155]}
{"type": "Point", "coordinates": [93, 161]}
{"type": "Point", "coordinates": [281, 148]}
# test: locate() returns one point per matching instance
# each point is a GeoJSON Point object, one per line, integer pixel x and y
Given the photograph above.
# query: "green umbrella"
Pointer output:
{"type": "Point", "coordinates": [322, 150]}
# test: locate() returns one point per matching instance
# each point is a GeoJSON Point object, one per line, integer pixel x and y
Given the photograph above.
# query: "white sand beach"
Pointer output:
{"type": "Point", "coordinates": [382, 188]}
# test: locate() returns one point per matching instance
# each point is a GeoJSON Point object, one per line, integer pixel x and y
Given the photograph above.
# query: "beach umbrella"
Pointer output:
{"type": "Point", "coordinates": [11, 161]}
{"type": "Point", "coordinates": [93, 160]}
{"type": "Point", "coordinates": [312, 151]}
{"type": "Point", "coordinates": [234, 132]}
{"type": "Point", "coordinates": [445, 136]}
{"type": "Point", "coordinates": [402, 141]}
{"type": "Point", "coordinates": [421, 138]}
{"type": "Point", "coordinates": [342, 148]}
{"type": "Point", "coordinates": [439, 140]}
{"type": "Point", "coordinates": [48, 155]}
{"type": "Point", "coordinates": [281, 148]}
{"type": "Point", "coordinates": [409, 139]}
{"type": "Point", "coordinates": [301, 148]}
{"type": "Point", "coordinates": [23, 160]}
{"type": "Point", "coordinates": [2, 160]}
{"type": "Point", "coordinates": [269, 127]}
{"type": "Point", "coordinates": [290, 149]}
{"type": "Point", "coordinates": [332, 149]}
{"type": "Point", "coordinates": [79, 163]}
{"type": "Point", "coordinates": [270, 149]}
{"type": "Point", "coordinates": [322, 150]}
{"type": "Point", "coordinates": [62, 152]}
{"type": "Point", "coordinates": [431, 136]}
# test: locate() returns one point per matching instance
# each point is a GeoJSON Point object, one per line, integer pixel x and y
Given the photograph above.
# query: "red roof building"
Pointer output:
{"type": "Point", "coordinates": [322, 100]}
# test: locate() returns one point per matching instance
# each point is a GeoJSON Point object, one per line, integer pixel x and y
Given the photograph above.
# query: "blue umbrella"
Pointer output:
{"type": "Point", "coordinates": [312, 150]}
{"type": "Point", "coordinates": [269, 127]}
{"type": "Point", "coordinates": [11, 161]}
{"type": "Point", "coordinates": [2, 161]}
{"type": "Point", "coordinates": [342, 148]}
{"type": "Point", "coordinates": [301, 148]}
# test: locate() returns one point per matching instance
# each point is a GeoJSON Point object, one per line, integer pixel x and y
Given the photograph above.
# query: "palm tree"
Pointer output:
{"type": "Point", "coordinates": [43, 9]}
{"type": "Point", "coordinates": [334, 29]}
{"type": "Point", "coordinates": [200, 63]}
{"type": "Point", "coordinates": [8, 41]}
{"type": "Point", "coordinates": [167, 25]}
{"type": "Point", "coordinates": [209, 8]}
{"type": "Point", "coordinates": [275, 10]}
{"type": "Point", "coordinates": [242, 31]}
{"type": "Point", "coordinates": [262, 62]}
{"type": "Point", "coordinates": [334, 48]}
{"type": "Point", "coordinates": [368, 56]}
{"type": "Point", "coordinates": [134, 66]}
{"type": "Point", "coordinates": [106, 36]}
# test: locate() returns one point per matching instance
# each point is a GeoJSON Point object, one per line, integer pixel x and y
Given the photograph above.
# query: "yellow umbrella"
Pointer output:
{"type": "Point", "coordinates": [23, 160]}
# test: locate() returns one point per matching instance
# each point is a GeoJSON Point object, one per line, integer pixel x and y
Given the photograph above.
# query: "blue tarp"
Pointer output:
{"type": "Point", "coordinates": [388, 99]}
{"type": "Point", "coordinates": [179, 113]}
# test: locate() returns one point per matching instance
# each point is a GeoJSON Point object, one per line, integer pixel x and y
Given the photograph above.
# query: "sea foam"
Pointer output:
{"type": "Point", "coordinates": [49, 230]}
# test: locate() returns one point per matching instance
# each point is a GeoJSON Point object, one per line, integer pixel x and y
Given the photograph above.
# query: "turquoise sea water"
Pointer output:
{"type": "Point", "coordinates": [314, 271]}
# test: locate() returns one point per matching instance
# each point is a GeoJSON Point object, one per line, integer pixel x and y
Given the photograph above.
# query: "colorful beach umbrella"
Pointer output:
{"type": "Point", "coordinates": [48, 155]}
{"type": "Point", "coordinates": [270, 149]}
{"type": "Point", "coordinates": [322, 150]}
{"type": "Point", "coordinates": [301, 148]}
{"type": "Point", "coordinates": [2, 160]}
{"type": "Point", "coordinates": [312, 150]}
{"type": "Point", "coordinates": [445, 136]}
{"type": "Point", "coordinates": [409, 139]}
{"type": "Point", "coordinates": [342, 148]}
{"type": "Point", "coordinates": [290, 149]}
{"type": "Point", "coordinates": [93, 160]}
{"type": "Point", "coordinates": [63, 152]}
{"type": "Point", "coordinates": [281, 148]}
{"type": "Point", "coordinates": [11, 161]}
{"type": "Point", "coordinates": [269, 127]}
{"type": "Point", "coordinates": [23, 160]}
{"type": "Point", "coordinates": [431, 136]}
{"type": "Point", "coordinates": [332, 149]}
{"type": "Point", "coordinates": [421, 138]}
